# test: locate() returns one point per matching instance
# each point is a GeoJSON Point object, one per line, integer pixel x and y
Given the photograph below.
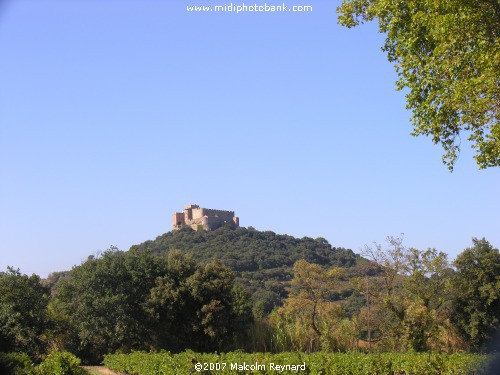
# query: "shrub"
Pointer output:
{"type": "Point", "coordinates": [60, 363]}
{"type": "Point", "coordinates": [165, 363]}
{"type": "Point", "coordinates": [16, 364]}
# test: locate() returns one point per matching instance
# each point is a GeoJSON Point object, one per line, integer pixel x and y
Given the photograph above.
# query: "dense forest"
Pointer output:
{"type": "Point", "coordinates": [244, 289]}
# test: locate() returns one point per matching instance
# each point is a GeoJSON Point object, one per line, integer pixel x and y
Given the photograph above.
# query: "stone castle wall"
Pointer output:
{"type": "Point", "coordinates": [223, 215]}
{"type": "Point", "coordinates": [177, 219]}
{"type": "Point", "coordinates": [208, 219]}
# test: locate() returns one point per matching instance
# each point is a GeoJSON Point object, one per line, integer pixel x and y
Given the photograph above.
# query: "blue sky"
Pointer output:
{"type": "Point", "coordinates": [114, 114]}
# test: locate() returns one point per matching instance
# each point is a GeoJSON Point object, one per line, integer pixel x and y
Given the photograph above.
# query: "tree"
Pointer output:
{"type": "Point", "coordinates": [447, 55]}
{"type": "Point", "coordinates": [391, 261]}
{"type": "Point", "coordinates": [23, 312]}
{"type": "Point", "coordinates": [426, 322]}
{"type": "Point", "coordinates": [312, 288]}
{"type": "Point", "coordinates": [371, 317]}
{"type": "Point", "coordinates": [223, 309]}
{"type": "Point", "coordinates": [196, 306]}
{"type": "Point", "coordinates": [310, 318]}
{"type": "Point", "coordinates": [476, 285]}
{"type": "Point", "coordinates": [123, 301]}
{"type": "Point", "coordinates": [171, 305]}
{"type": "Point", "coordinates": [102, 303]}
{"type": "Point", "coordinates": [414, 292]}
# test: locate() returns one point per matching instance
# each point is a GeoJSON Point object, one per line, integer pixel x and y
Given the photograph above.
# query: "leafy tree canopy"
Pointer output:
{"type": "Point", "coordinates": [103, 302]}
{"type": "Point", "coordinates": [23, 312]}
{"type": "Point", "coordinates": [413, 291]}
{"type": "Point", "coordinates": [124, 301]}
{"type": "Point", "coordinates": [476, 286]}
{"type": "Point", "coordinates": [447, 55]}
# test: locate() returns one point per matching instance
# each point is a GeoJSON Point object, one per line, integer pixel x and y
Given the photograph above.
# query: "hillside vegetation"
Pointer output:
{"type": "Point", "coordinates": [241, 289]}
{"type": "Point", "coordinates": [261, 261]}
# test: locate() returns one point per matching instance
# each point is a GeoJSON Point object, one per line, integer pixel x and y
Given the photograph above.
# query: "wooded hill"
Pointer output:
{"type": "Point", "coordinates": [175, 293]}
{"type": "Point", "coordinates": [262, 261]}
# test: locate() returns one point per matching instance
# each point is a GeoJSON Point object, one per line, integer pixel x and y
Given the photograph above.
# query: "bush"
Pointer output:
{"type": "Point", "coordinates": [165, 363]}
{"type": "Point", "coordinates": [60, 363]}
{"type": "Point", "coordinates": [16, 364]}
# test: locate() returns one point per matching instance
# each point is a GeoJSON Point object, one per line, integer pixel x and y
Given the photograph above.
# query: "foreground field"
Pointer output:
{"type": "Point", "coordinates": [164, 363]}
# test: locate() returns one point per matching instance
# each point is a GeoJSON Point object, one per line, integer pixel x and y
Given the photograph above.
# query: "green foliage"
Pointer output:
{"type": "Point", "coordinates": [447, 55]}
{"type": "Point", "coordinates": [405, 306]}
{"type": "Point", "coordinates": [56, 363]}
{"type": "Point", "coordinates": [60, 363]}
{"type": "Point", "coordinates": [197, 306]}
{"type": "Point", "coordinates": [54, 278]}
{"type": "Point", "coordinates": [134, 301]}
{"type": "Point", "coordinates": [102, 303]}
{"type": "Point", "coordinates": [426, 286]}
{"type": "Point", "coordinates": [141, 363]}
{"type": "Point", "coordinates": [414, 294]}
{"type": "Point", "coordinates": [23, 312]}
{"type": "Point", "coordinates": [476, 287]}
{"type": "Point", "coordinates": [154, 297]}
{"type": "Point", "coordinates": [310, 320]}
{"type": "Point", "coordinates": [17, 363]}
{"type": "Point", "coordinates": [261, 261]}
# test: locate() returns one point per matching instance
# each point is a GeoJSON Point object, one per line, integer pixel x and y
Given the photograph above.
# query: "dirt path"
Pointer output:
{"type": "Point", "coordinates": [101, 370]}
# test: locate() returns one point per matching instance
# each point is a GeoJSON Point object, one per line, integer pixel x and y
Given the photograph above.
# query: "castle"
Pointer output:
{"type": "Point", "coordinates": [203, 218]}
